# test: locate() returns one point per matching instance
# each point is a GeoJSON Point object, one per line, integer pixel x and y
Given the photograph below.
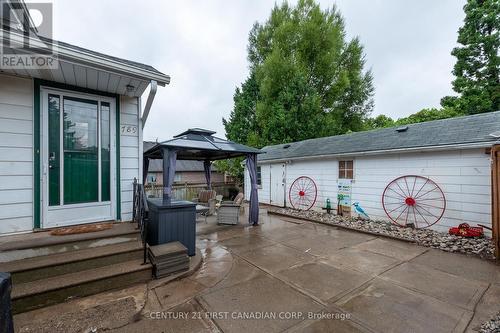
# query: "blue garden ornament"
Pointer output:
{"type": "Point", "coordinates": [361, 212]}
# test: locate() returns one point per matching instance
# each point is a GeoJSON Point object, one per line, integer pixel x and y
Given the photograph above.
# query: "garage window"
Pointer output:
{"type": "Point", "coordinates": [346, 169]}
{"type": "Point", "coordinates": [259, 176]}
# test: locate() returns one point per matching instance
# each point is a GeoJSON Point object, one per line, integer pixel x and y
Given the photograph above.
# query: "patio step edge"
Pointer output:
{"type": "Point", "coordinates": [35, 294]}
{"type": "Point", "coordinates": [41, 267]}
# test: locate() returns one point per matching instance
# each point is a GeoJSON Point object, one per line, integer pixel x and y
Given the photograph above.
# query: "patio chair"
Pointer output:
{"type": "Point", "coordinates": [218, 201]}
{"type": "Point", "coordinates": [229, 212]}
{"type": "Point", "coordinates": [206, 198]}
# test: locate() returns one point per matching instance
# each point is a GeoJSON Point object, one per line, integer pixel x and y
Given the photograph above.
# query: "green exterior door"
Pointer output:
{"type": "Point", "coordinates": [78, 157]}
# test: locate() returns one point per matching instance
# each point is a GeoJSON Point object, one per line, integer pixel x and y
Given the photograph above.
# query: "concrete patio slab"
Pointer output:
{"type": "Point", "coordinates": [323, 281]}
{"type": "Point", "coordinates": [241, 271]}
{"type": "Point", "coordinates": [258, 270]}
{"type": "Point", "coordinates": [259, 296]}
{"type": "Point", "coordinates": [214, 252]}
{"type": "Point", "coordinates": [362, 261]}
{"type": "Point", "coordinates": [226, 232]}
{"type": "Point", "coordinates": [386, 307]}
{"type": "Point", "coordinates": [269, 223]}
{"type": "Point", "coordinates": [324, 244]}
{"type": "Point", "coordinates": [461, 265]}
{"type": "Point", "coordinates": [211, 273]}
{"type": "Point", "coordinates": [320, 229]}
{"type": "Point", "coordinates": [245, 243]}
{"type": "Point", "coordinates": [396, 249]}
{"type": "Point", "coordinates": [276, 257]}
{"type": "Point", "coordinates": [444, 286]}
{"type": "Point", "coordinates": [283, 234]}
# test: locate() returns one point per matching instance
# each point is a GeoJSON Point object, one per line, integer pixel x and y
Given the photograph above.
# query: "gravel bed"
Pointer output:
{"type": "Point", "coordinates": [477, 246]}
{"type": "Point", "coordinates": [492, 325]}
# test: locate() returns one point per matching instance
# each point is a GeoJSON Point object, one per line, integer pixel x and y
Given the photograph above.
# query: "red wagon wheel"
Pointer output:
{"type": "Point", "coordinates": [303, 193]}
{"type": "Point", "coordinates": [414, 200]}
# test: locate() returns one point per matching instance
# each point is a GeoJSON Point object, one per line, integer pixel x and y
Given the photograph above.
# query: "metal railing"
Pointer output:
{"type": "Point", "coordinates": [140, 213]}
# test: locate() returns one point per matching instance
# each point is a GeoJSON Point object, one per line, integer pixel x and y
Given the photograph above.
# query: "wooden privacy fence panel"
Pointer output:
{"type": "Point", "coordinates": [190, 191]}
{"type": "Point", "coordinates": [495, 197]}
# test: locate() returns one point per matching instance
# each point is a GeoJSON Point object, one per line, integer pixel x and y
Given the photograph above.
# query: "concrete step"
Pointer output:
{"type": "Point", "coordinates": [42, 244]}
{"type": "Point", "coordinates": [42, 267]}
{"type": "Point", "coordinates": [35, 294]}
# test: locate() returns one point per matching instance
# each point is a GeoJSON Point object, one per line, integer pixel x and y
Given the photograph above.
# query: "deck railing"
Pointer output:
{"type": "Point", "coordinates": [140, 214]}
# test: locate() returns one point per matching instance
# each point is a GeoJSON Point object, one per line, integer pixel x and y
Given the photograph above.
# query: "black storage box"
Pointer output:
{"type": "Point", "coordinates": [173, 221]}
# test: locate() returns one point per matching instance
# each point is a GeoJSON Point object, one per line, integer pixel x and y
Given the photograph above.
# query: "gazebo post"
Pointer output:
{"type": "Point", "coordinates": [169, 159]}
{"type": "Point", "coordinates": [253, 215]}
{"type": "Point", "coordinates": [207, 165]}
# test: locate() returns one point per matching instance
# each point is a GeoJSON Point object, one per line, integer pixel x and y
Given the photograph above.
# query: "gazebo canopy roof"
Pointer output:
{"type": "Point", "coordinates": [200, 144]}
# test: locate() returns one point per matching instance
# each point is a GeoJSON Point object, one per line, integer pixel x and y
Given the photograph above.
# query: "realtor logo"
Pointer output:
{"type": "Point", "coordinates": [26, 35]}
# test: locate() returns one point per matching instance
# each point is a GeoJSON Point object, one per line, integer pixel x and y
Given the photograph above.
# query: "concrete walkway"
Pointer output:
{"type": "Point", "coordinates": [296, 276]}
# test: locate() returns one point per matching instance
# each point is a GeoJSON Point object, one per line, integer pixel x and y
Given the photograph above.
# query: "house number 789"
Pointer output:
{"type": "Point", "coordinates": [129, 129]}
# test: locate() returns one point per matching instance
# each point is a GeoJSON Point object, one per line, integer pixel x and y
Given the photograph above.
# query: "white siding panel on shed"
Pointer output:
{"type": "Point", "coordinates": [16, 154]}
{"type": "Point", "coordinates": [263, 191]}
{"type": "Point", "coordinates": [129, 152]}
{"type": "Point", "coordinates": [463, 175]}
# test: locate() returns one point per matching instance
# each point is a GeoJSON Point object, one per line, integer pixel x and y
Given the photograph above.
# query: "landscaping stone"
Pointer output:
{"type": "Point", "coordinates": [476, 246]}
{"type": "Point", "coordinates": [492, 325]}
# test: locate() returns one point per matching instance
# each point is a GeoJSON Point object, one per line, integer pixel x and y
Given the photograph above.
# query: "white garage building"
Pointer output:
{"type": "Point", "coordinates": [452, 153]}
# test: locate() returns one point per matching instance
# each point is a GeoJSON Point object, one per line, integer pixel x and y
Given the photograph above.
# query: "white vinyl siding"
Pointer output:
{"type": "Point", "coordinates": [463, 175]}
{"type": "Point", "coordinates": [263, 191]}
{"type": "Point", "coordinates": [129, 152]}
{"type": "Point", "coordinates": [16, 154]}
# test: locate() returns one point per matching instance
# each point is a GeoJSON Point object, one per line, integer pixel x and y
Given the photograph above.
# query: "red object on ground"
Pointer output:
{"type": "Point", "coordinates": [465, 230]}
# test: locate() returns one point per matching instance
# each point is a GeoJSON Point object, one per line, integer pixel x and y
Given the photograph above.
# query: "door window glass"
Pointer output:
{"type": "Point", "coordinates": [105, 152]}
{"type": "Point", "coordinates": [54, 150]}
{"type": "Point", "coordinates": [80, 150]}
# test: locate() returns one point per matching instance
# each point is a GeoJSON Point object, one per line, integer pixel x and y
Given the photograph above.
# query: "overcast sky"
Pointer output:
{"type": "Point", "coordinates": [202, 46]}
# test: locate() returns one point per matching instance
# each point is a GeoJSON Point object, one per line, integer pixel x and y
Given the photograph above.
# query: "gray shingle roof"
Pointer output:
{"type": "Point", "coordinates": [452, 131]}
{"type": "Point", "coordinates": [200, 144]}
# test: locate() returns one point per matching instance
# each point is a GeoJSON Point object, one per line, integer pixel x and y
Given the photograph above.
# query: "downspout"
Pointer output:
{"type": "Point", "coordinates": [149, 102]}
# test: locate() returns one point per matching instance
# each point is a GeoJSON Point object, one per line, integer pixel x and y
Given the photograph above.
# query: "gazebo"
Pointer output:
{"type": "Point", "coordinates": [200, 144]}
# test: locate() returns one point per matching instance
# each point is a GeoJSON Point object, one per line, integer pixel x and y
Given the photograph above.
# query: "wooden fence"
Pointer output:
{"type": "Point", "coordinates": [190, 191]}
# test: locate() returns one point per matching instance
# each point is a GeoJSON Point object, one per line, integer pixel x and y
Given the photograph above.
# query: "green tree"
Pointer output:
{"type": "Point", "coordinates": [306, 80]}
{"type": "Point", "coordinates": [241, 126]}
{"type": "Point", "coordinates": [477, 66]}
{"type": "Point", "coordinates": [428, 115]}
{"type": "Point", "coordinates": [380, 121]}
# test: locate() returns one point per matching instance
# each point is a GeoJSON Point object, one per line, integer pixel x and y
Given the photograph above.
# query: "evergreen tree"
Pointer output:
{"type": "Point", "coordinates": [306, 80]}
{"type": "Point", "coordinates": [477, 67]}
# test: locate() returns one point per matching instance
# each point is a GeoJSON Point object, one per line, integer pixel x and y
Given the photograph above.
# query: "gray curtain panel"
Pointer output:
{"type": "Point", "coordinates": [208, 170]}
{"type": "Point", "coordinates": [145, 169]}
{"type": "Point", "coordinates": [169, 160]}
{"type": "Point", "coordinates": [253, 215]}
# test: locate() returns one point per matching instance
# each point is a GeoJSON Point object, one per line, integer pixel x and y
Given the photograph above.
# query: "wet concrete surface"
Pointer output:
{"type": "Point", "coordinates": [386, 307]}
{"type": "Point", "coordinates": [295, 276]}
